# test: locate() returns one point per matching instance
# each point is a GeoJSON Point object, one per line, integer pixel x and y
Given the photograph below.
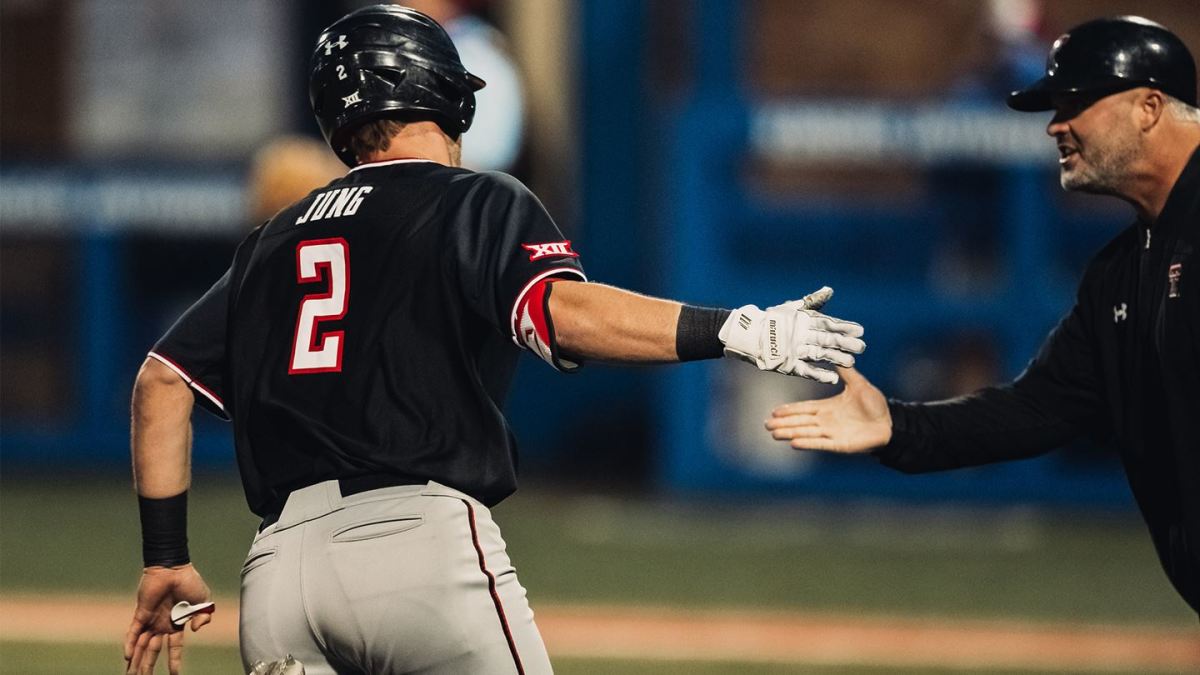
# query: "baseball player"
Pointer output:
{"type": "Point", "coordinates": [1124, 364]}
{"type": "Point", "coordinates": [362, 342]}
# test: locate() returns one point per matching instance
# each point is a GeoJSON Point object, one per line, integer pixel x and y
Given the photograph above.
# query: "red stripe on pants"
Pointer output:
{"type": "Point", "coordinates": [512, 645]}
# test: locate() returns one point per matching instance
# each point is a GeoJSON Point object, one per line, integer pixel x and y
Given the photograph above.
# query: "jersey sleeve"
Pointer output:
{"type": "Point", "coordinates": [504, 245]}
{"type": "Point", "coordinates": [194, 347]}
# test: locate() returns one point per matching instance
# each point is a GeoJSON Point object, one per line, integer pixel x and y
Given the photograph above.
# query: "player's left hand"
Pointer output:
{"type": "Point", "coordinates": [158, 591]}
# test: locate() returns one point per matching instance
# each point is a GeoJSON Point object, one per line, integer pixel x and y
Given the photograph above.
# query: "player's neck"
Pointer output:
{"type": "Point", "coordinates": [420, 140]}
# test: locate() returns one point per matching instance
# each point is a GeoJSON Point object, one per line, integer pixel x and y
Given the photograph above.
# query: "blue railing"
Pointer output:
{"type": "Point", "coordinates": [730, 244]}
{"type": "Point", "coordinates": [96, 214]}
{"type": "Point", "coordinates": [665, 210]}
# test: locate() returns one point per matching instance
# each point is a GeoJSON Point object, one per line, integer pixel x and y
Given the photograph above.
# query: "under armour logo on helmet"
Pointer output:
{"type": "Point", "coordinates": [1120, 312]}
{"type": "Point", "coordinates": [340, 44]}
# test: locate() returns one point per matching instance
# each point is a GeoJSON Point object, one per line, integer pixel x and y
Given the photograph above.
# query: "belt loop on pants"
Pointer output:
{"type": "Point", "coordinates": [351, 486]}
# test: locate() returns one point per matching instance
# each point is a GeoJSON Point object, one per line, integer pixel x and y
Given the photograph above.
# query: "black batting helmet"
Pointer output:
{"type": "Point", "coordinates": [387, 61]}
{"type": "Point", "coordinates": [1105, 56]}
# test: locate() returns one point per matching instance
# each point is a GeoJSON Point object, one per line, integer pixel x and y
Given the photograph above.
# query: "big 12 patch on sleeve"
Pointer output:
{"type": "Point", "coordinates": [554, 249]}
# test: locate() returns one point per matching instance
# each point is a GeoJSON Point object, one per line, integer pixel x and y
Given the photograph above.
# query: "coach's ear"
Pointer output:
{"type": "Point", "coordinates": [1149, 108]}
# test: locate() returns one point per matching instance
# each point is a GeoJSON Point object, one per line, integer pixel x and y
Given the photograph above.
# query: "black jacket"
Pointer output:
{"type": "Point", "coordinates": [1123, 366]}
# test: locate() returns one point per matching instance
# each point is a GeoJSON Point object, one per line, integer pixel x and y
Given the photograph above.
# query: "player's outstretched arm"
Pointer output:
{"type": "Point", "coordinates": [593, 321]}
{"type": "Point", "coordinates": [856, 420]}
{"type": "Point", "coordinates": [597, 322]}
{"type": "Point", "coordinates": [161, 435]}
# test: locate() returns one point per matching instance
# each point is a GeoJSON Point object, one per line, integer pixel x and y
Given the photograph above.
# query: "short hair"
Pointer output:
{"type": "Point", "coordinates": [1182, 111]}
{"type": "Point", "coordinates": [373, 137]}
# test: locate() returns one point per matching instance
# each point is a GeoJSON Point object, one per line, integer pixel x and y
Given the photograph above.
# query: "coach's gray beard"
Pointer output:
{"type": "Point", "coordinates": [1106, 168]}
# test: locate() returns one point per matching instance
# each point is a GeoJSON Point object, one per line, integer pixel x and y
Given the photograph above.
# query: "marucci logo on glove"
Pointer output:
{"type": "Point", "coordinates": [554, 249]}
{"type": "Point", "coordinates": [790, 338]}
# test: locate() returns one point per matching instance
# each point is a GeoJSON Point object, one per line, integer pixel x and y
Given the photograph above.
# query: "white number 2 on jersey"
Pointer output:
{"type": "Point", "coordinates": [325, 260]}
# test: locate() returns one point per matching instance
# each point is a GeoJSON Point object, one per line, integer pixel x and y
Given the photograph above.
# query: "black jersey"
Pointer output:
{"type": "Point", "coordinates": [372, 328]}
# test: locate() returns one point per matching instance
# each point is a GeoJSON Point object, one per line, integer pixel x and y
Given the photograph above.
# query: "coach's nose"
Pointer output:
{"type": "Point", "coordinates": [1057, 126]}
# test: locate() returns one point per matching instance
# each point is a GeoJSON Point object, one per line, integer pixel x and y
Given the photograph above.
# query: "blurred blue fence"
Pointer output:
{"type": "Point", "coordinates": [721, 241]}
{"type": "Point", "coordinates": [97, 217]}
{"type": "Point", "coordinates": [668, 206]}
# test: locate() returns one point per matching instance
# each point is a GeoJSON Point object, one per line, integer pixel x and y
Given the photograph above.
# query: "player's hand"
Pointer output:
{"type": "Point", "coordinates": [789, 338]}
{"type": "Point", "coordinates": [158, 591]}
{"type": "Point", "coordinates": [855, 420]}
{"type": "Point", "coordinates": [814, 300]}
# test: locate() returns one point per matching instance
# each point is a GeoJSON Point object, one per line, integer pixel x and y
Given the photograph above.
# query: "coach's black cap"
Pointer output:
{"type": "Point", "coordinates": [1105, 56]}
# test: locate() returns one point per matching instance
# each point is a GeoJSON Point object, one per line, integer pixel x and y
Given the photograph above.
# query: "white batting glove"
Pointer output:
{"type": "Point", "coordinates": [814, 300]}
{"type": "Point", "coordinates": [791, 337]}
{"type": "Point", "coordinates": [284, 666]}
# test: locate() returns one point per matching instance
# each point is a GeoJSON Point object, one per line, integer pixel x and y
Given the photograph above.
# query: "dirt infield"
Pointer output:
{"type": "Point", "coordinates": [725, 635]}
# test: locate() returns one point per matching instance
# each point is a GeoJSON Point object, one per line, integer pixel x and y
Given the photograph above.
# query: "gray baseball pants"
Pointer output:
{"type": "Point", "coordinates": [408, 579]}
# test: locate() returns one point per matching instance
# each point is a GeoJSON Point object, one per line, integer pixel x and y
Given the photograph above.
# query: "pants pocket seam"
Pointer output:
{"type": "Point", "coordinates": [258, 559]}
{"type": "Point", "coordinates": [398, 524]}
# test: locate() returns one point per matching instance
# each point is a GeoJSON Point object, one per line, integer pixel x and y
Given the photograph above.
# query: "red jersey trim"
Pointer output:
{"type": "Point", "coordinates": [188, 378]}
{"type": "Point", "coordinates": [512, 322]}
{"type": "Point", "coordinates": [372, 165]}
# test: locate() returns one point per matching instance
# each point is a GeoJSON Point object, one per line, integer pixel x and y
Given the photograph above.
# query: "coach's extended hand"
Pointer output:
{"type": "Point", "coordinates": [789, 338]}
{"type": "Point", "coordinates": [855, 420]}
{"type": "Point", "coordinates": [158, 591]}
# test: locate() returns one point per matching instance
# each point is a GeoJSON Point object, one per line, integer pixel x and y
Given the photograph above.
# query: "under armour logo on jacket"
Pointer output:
{"type": "Point", "coordinates": [1120, 312]}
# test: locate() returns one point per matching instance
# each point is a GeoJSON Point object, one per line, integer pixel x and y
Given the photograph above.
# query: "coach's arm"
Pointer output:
{"type": "Point", "coordinates": [160, 429]}
{"type": "Point", "coordinates": [1057, 399]}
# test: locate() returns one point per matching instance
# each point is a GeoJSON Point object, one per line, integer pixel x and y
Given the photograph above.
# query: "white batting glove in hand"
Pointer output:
{"type": "Point", "coordinates": [789, 338]}
{"type": "Point", "coordinates": [284, 666]}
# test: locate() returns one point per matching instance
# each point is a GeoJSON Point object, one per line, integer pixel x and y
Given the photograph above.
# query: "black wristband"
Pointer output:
{"type": "Point", "coordinates": [697, 334]}
{"type": "Point", "coordinates": [164, 530]}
